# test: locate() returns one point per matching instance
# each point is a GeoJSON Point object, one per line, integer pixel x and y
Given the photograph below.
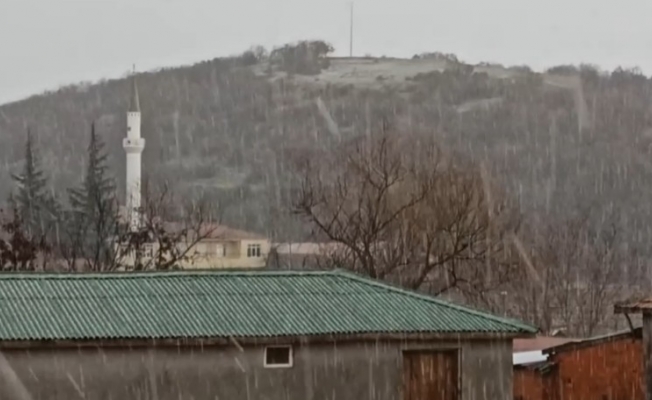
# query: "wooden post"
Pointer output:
{"type": "Point", "coordinates": [647, 353]}
{"type": "Point", "coordinates": [643, 307]}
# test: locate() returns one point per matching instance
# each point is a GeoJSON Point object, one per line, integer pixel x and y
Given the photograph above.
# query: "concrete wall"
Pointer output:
{"type": "Point", "coordinates": [236, 255]}
{"type": "Point", "coordinates": [326, 372]}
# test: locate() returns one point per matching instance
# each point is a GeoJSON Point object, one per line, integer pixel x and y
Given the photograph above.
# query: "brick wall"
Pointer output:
{"type": "Point", "coordinates": [528, 384]}
{"type": "Point", "coordinates": [610, 370]}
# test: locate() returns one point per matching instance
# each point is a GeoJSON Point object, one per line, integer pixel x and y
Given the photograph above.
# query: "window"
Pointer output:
{"type": "Point", "coordinates": [278, 357]}
{"type": "Point", "coordinates": [253, 250]}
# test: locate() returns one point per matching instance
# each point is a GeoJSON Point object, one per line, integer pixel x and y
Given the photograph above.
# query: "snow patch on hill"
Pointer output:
{"type": "Point", "coordinates": [378, 72]}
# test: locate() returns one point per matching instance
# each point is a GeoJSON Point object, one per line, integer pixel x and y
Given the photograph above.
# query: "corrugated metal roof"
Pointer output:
{"type": "Point", "coordinates": [223, 304]}
{"type": "Point", "coordinates": [596, 340]}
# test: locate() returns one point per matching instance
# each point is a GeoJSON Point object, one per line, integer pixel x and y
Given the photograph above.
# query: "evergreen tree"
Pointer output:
{"type": "Point", "coordinates": [93, 207]}
{"type": "Point", "coordinates": [35, 206]}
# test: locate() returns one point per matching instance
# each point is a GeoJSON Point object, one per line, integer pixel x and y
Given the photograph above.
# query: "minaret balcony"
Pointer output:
{"type": "Point", "coordinates": [133, 145]}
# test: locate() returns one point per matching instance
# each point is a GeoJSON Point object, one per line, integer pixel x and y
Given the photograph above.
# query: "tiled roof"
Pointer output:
{"type": "Point", "coordinates": [216, 231]}
{"type": "Point", "coordinates": [223, 304]}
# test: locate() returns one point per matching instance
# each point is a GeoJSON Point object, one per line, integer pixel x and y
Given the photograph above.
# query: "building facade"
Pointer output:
{"type": "Point", "coordinates": [221, 247]}
{"type": "Point", "coordinates": [228, 253]}
{"type": "Point", "coordinates": [245, 335]}
{"type": "Point", "coordinates": [340, 370]}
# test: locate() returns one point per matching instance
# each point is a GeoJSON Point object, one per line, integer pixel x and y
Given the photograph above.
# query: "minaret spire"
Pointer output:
{"type": "Point", "coordinates": [134, 146]}
{"type": "Point", "coordinates": [134, 104]}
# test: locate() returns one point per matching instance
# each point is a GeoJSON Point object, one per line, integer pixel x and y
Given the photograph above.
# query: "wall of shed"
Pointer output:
{"type": "Point", "coordinates": [609, 370]}
{"type": "Point", "coordinates": [362, 371]}
{"type": "Point", "coordinates": [528, 384]}
{"type": "Point", "coordinates": [534, 384]}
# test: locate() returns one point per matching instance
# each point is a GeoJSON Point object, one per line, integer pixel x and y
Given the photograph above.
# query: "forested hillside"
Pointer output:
{"type": "Point", "coordinates": [570, 139]}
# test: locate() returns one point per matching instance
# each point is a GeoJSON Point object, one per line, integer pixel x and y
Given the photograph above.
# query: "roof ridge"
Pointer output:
{"type": "Point", "coordinates": [431, 299]}
{"type": "Point", "coordinates": [156, 274]}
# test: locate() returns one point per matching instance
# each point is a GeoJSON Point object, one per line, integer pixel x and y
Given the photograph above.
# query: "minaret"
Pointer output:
{"type": "Point", "coordinates": [133, 145]}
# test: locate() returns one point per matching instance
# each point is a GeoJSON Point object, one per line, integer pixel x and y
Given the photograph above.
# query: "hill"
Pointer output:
{"type": "Point", "coordinates": [228, 128]}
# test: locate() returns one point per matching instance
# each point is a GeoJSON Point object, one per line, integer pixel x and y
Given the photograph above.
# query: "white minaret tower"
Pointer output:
{"type": "Point", "coordinates": [133, 145]}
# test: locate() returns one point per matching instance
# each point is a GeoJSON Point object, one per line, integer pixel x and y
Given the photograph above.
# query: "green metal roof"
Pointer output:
{"type": "Point", "coordinates": [223, 304]}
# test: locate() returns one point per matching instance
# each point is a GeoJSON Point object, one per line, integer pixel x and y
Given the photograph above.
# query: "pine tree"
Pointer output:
{"type": "Point", "coordinates": [35, 206]}
{"type": "Point", "coordinates": [93, 207]}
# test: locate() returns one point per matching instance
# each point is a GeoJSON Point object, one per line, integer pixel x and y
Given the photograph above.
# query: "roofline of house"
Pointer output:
{"type": "Point", "coordinates": [635, 308]}
{"type": "Point", "coordinates": [594, 341]}
{"type": "Point", "coordinates": [249, 341]}
{"type": "Point", "coordinates": [540, 366]}
{"type": "Point", "coordinates": [221, 239]}
{"type": "Point", "coordinates": [139, 274]}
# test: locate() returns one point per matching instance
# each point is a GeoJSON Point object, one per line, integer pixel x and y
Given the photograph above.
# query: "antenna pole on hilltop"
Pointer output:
{"type": "Point", "coordinates": [351, 34]}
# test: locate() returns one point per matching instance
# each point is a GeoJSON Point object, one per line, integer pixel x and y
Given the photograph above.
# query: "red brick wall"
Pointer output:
{"type": "Point", "coordinates": [609, 371]}
{"type": "Point", "coordinates": [605, 371]}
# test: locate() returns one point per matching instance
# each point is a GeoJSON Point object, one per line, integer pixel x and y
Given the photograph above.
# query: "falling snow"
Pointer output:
{"type": "Point", "coordinates": [520, 194]}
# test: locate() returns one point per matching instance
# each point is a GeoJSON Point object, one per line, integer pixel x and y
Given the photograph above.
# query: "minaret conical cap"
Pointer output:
{"type": "Point", "coordinates": [134, 103]}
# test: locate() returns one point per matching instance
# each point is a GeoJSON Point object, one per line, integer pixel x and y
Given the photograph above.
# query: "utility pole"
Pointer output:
{"type": "Point", "coordinates": [351, 34]}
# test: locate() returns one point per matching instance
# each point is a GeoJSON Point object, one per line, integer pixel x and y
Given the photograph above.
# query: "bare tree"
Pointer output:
{"type": "Point", "coordinates": [167, 236]}
{"type": "Point", "coordinates": [403, 211]}
{"type": "Point", "coordinates": [20, 250]}
{"type": "Point", "coordinates": [579, 276]}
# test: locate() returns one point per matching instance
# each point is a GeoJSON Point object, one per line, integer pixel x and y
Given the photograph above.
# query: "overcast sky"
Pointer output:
{"type": "Point", "coordinates": [47, 43]}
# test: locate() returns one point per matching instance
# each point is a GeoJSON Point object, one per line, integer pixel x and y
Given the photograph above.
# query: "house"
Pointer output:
{"type": "Point", "coordinates": [604, 367]}
{"type": "Point", "coordinates": [215, 247]}
{"type": "Point", "coordinates": [245, 335]}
